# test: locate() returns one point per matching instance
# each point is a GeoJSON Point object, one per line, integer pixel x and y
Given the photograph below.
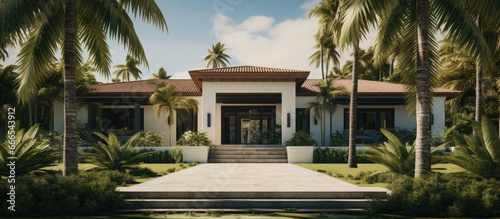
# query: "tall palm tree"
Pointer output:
{"type": "Point", "coordinates": [408, 29]}
{"type": "Point", "coordinates": [161, 74]}
{"type": "Point", "coordinates": [128, 69]}
{"type": "Point", "coordinates": [326, 35]}
{"type": "Point", "coordinates": [367, 68]}
{"type": "Point", "coordinates": [167, 101]}
{"type": "Point", "coordinates": [323, 104]}
{"type": "Point", "coordinates": [216, 57]}
{"type": "Point", "coordinates": [44, 27]}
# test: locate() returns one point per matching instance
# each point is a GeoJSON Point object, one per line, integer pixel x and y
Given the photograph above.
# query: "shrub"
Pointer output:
{"type": "Point", "coordinates": [110, 155]}
{"type": "Point", "coordinates": [190, 138]}
{"type": "Point", "coordinates": [405, 135]}
{"type": "Point", "coordinates": [301, 138]}
{"type": "Point", "coordinates": [330, 155]}
{"type": "Point", "coordinates": [48, 195]}
{"type": "Point", "coordinates": [151, 139]}
{"type": "Point", "coordinates": [337, 140]}
{"type": "Point", "coordinates": [443, 195]}
{"type": "Point", "coordinates": [478, 154]}
{"type": "Point", "coordinates": [143, 172]}
{"type": "Point", "coordinates": [119, 178]}
{"type": "Point", "coordinates": [32, 155]}
{"type": "Point", "coordinates": [171, 156]}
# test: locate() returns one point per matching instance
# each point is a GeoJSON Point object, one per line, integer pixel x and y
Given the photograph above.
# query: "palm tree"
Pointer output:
{"type": "Point", "coordinates": [161, 74]}
{"type": "Point", "coordinates": [408, 29]}
{"type": "Point", "coordinates": [216, 57]}
{"type": "Point", "coordinates": [167, 101]}
{"type": "Point", "coordinates": [367, 68]}
{"type": "Point", "coordinates": [128, 70]}
{"type": "Point", "coordinates": [44, 27]}
{"type": "Point", "coordinates": [323, 104]}
{"type": "Point", "coordinates": [326, 35]}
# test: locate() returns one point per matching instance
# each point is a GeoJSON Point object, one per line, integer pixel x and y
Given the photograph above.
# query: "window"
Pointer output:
{"type": "Point", "coordinates": [371, 119]}
{"type": "Point", "coordinates": [119, 121]}
{"type": "Point", "coordinates": [188, 123]}
{"type": "Point", "coordinates": [301, 120]}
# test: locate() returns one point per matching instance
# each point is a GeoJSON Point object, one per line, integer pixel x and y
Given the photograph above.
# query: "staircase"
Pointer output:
{"type": "Point", "coordinates": [257, 201]}
{"type": "Point", "coordinates": [247, 154]}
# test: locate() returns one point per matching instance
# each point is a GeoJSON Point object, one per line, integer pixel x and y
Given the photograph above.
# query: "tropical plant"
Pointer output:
{"type": "Point", "coordinates": [32, 155]}
{"type": "Point", "coordinates": [111, 155]}
{"type": "Point", "coordinates": [151, 139]}
{"type": "Point", "coordinates": [43, 28]}
{"type": "Point", "coordinates": [323, 103]}
{"type": "Point", "coordinates": [479, 154]}
{"type": "Point", "coordinates": [397, 156]}
{"type": "Point", "coordinates": [190, 138]}
{"type": "Point", "coordinates": [301, 138]}
{"type": "Point", "coordinates": [408, 28]}
{"type": "Point", "coordinates": [367, 68]}
{"type": "Point", "coordinates": [127, 70]}
{"type": "Point", "coordinates": [167, 101]}
{"type": "Point", "coordinates": [216, 57]}
{"type": "Point", "coordinates": [161, 74]}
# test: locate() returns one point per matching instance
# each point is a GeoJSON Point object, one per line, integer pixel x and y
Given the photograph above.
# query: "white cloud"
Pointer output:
{"type": "Point", "coordinates": [181, 75]}
{"type": "Point", "coordinates": [256, 24]}
{"type": "Point", "coordinates": [287, 44]}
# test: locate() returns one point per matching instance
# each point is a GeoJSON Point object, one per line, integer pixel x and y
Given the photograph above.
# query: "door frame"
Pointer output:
{"type": "Point", "coordinates": [237, 120]}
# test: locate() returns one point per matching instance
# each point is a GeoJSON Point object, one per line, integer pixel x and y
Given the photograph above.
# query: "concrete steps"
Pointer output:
{"type": "Point", "coordinates": [241, 201]}
{"type": "Point", "coordinates": [247, 154]}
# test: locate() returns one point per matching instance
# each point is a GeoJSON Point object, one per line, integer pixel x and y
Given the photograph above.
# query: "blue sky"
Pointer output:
{"type": "Point", "coordinates": [272, 33]}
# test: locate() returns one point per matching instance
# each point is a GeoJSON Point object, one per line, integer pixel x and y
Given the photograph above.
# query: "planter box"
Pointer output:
{"type": "Point", "coordinates": [192, 154]}
{"type": "Point", "coordinates": [300, 154]}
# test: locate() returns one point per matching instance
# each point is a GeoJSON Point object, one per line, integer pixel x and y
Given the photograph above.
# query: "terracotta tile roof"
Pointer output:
{"type": "Point", "coordinates": [144, 87]}
{"type": "Point", "coordinates": [369, 88]}
{"type": "Point", "coordinates": [247, 69]}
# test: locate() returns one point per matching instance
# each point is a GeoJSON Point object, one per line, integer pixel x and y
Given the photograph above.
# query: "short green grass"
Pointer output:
{"type": "Point", "coordinates": [342, 169]}
{"type": "Point", "coordinates": [160, 168]}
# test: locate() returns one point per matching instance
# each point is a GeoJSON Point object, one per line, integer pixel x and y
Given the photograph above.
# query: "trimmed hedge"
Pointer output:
{"type": "Point", "coordinates": [330, 155]}
{"type": "Point", "coordinates": [172, 156]}
{"type": "Point", "coordinates": [442, 195]}
{"type": "Point", "coordinates": [87, 193]}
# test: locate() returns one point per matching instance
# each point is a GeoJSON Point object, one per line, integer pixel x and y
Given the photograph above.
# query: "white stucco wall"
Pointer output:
{"type": "Point", "coordinates": [211, 89]}
{"type": "Point", "coordinates": [81, 117]}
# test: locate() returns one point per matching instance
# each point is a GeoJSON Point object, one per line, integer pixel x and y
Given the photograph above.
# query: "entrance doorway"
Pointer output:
{"type": "Point", "coordinates": [248, 124]}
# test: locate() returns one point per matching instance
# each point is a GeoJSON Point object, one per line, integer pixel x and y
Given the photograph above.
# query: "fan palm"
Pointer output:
{"type": "Point", "coordinates": [32, 155]}
{"type": "Point", "coordinates": [44, 27]}
{"type": "Point", "coordinates": [216, 57]}
{"type": "Point", "coordinates": [128, 70]}
{"type": "Point", "coordinates": [167, 101]}
{"type": "Point", "coordinates": [323, 104]}
{"type": "Point", "coordinates": [111, 155]}
{"type": "Point", "coordinates": [161, 74]}
{"type": "Point", "coordinates": [479, 154]}
{"type": "Point", "coordinates": [408, 28]}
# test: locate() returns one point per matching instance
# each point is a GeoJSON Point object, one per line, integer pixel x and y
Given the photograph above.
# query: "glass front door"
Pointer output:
{"type": "Point", "coordinates": [247, 125]}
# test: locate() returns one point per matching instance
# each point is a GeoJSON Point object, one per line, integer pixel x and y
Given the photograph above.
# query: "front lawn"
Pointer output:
{"type": "Point", "coordinates": [342, 172]}
{"type": "Point", "coordinates": [160, 168]}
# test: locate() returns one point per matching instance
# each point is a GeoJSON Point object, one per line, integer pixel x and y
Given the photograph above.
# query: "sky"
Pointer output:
{"type": "Point", "coordinates": [270, 33]}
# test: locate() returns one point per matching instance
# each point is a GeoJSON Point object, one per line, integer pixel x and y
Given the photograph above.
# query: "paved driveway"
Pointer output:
{"type": "Point", "coordinates": [228, 177]}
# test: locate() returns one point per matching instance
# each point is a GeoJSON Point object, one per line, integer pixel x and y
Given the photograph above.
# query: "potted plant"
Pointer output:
{"type": "Point", "coordinates": [195, 146]}
{"type": "Point", "coordinates": [300, 148]}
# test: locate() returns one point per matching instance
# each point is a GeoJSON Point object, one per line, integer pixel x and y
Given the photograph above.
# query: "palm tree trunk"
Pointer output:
{"type": "Point", "coordinates": [423, 149]}
{"type": "Point", "coordinates": [353, 110]}
{"type": "Point", "coordinates": [70, 156]}
{"type": "Point", "coordinates": [479, 83]}
{"type": "Point", "coordinates": [322, 69]}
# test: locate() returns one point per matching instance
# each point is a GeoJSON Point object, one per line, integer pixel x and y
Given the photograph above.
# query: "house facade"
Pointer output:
{"type": "Point", "coordinates": [246, 105]}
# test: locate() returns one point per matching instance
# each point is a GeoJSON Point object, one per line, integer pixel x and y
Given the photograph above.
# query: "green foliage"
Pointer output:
{"type": "Point", "coordinates": [143, 172]}
{"type": "Point", "coordinates": [275, 134]}
{"type": "Point", "coordinates": [331, 155]}
{"type": "Point", "coordinates": [337, 140]}
{"type": "Point", "coordinates": [405, 135]}
{"type": "Point", "coordinates": [217, 58]}
{"type": "Point", "coordinates": [301, 138]}
{"type": "Point", "coordinates": [442, 195]}
{"type": "Point", "coordinates": [171, 156]}
{"type": "Point", "coordinates": [190, 138]}
{"type": "Point", "coordinates": [87, 193]}
{"type": "Point", "coordinates": [478, 154]}
{"type": "Point", "coordinates": [151, 139]}
{"type": "Point", "coordinates": [32, 155]}
{"type": "Point", "coordinates": [111, 155]}
{"type": "Point", "coordinates": [128, 70]}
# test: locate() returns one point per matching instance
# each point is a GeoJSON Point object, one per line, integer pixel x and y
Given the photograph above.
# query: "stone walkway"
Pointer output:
{"type": "Point", "coordinates": [230, 177]}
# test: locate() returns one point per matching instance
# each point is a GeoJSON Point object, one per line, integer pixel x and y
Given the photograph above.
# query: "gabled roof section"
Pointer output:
{"type": "Point", "coordinates": [248, 73]}
{"type": "Point", "coordinates": [144, 87]}
{"type": "Point", "coordinates": [369, 88]}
